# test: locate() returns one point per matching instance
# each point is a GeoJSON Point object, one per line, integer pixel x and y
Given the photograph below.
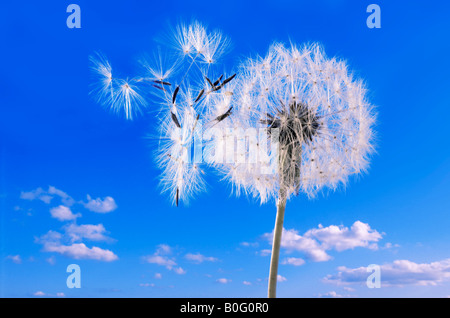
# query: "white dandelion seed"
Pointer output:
{"type": "Point", "coordinates": [197, 43]}
{"type": "Point", "coordinates": [177, 155]}
{"type": "Point", "coordinates": [103, 88]}
{"type": "Point", "coordinates": [127, 99]}
{"type": "Point", "coordinates": [121, 96]}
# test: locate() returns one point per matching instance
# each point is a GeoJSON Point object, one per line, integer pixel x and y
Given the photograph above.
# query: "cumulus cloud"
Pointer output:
{"type": "Point", "coordinates": [81, 251]}
{"type": "Point", "coordinates": [281, 279]}
{"type": "Point", "coordinates": [315, 243]}
{"type": "Point", "coordinates": [199, 258]}
{"type": "Point", "coordinates": [160, 260]}
{"type": "Point", "coordinates": [51, 260]}
{"type": "Point", "coordinates": [15, 259]}
{"type": "Point", "coordinates": [65, 198]}
{"type": "Point", "coordinates": [98, 205]}
{"type": "Point", "coordinates": [397, 273]}
{"type": "Point", "coordinates": [86, 231]}
{"type": "Point", "coordinates": [161, 257]}
{"type": "Point", "coordinates": [52, 241]}
{"type": "Point", "coordinates": [331, 294]}
{"type": "Point", "coordinates": [179, 271]}
{"type": "Point", "coordinates": [293, 261]}
{"type": "Point", "coordinates": [343, 238]}
{"type": "Point", "coordinates": [63, 213]}
{"type": "Point", "coordinates": [40, 293]}
{"type": "Point", "coordinates": [47, 195]}
{"type": "Point", "coordinates": [70, 243]}
{"type": "Point", "coordinates": [223, 280]}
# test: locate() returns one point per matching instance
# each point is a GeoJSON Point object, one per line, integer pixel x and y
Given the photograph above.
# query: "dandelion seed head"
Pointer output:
{"type": "Point", "coordinates": [323, 120]}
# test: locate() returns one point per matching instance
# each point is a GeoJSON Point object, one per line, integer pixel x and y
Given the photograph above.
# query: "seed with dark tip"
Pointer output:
{"type": "Point", "coordinates": [228, 79]}
{"type": "Point", "coordinates": [225, 115]}
{"type": "Point", "coordinates": [199, 95]}
{"type": "Point", "coordinates": [210, 83]}
{"type": "Point", "coordinates": [218, 81]}
{"type": "Point", "coordinates": [175, 120]}
{"type": "Point", "coordinates": [158, 87]}
{"type": "Point", "coordinates": [175, 93]}
{"type": "Point", "coordinates": [163, 83]}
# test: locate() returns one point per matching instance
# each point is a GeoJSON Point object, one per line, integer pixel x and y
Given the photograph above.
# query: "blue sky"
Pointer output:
{"type": "Point", "coordinates": [53, 137]}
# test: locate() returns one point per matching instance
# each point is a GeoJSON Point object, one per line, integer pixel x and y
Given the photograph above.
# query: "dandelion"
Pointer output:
{"type": "Point", "coordinates": [322, 121]}
{"type": "Point", "coordinates": [300, 121]}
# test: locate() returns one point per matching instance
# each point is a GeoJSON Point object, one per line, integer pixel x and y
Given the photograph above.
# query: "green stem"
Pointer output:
{"type": "Point", "coordinates": [281, 205]}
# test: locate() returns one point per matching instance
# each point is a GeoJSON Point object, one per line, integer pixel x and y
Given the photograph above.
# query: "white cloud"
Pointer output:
{"type": "Point", "coordinates": [265, 252]}
{"type": "Point", "coordinates": [179, 271]}
{"type": "Point", "coordinates": [51, 260]}
{"type": "Point", "coordinates": [47, 196]}
{"type": "Point", "coordinates": [86, 231]}
{"type": "Point", "coordinates": [160, 257]}
{"type": "Point", "coordinates": [51, 242]}
{"type": "Point", "coordinates": [342, 238]}
{"type": "Point", "coordinates": [223, 280]}
{"type": "Point", "coordinates": [248, 244]}
{"type": "Point", "coordinates": [81, 251]}
{"type": "Point", "coordinates": [331, 294]}
{"type": "Point", "coordinates": [42, 294]}
{"type": "Point", "coordinates": [397, 273]}
{"type": "Point", "coordinates": [281, 279]}
{"type": "Point", "coordinates": [246, 283]}
{"type": "Point", "coordinates": [100, 206]}
{"type": "Point", "coordinates": [163, 249]}
{"type": "Point", "coordinates": [199, 258]}
{"type": "Point", "coordinates": [65, 198]}
{"type": "Point", "coordinates": [158, 275]}
{"type": "Point", "coordinates": [160, 260]}
{"type": "Point", "coordinates": [63, 213]}
{"type": "Point", "coordinates": [293, 261]}
{"type": "Point", "coordinates": [315, 243]}
{"type": "Point", "coordinates": [15, 259]}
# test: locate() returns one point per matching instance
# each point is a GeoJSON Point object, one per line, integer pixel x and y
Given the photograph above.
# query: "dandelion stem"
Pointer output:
{"type": "Point", "coordinates": [281, 205]}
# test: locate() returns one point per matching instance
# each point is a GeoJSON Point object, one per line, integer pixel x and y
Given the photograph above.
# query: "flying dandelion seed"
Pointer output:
{"type": "Point", "coordinates": [103, 89]}
{"type": "Point", "coordinates": [181, 175]}
{"type": "Point", "coordinates": [324, 125]}
{"type": "Point", "coordinates": [121, 96]}
{"type": "Point", "coordinates": [185, 106]}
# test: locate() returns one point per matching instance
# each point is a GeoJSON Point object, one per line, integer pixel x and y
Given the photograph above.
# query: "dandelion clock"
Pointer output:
{"type": "Point", "coordinates": [314, 129]}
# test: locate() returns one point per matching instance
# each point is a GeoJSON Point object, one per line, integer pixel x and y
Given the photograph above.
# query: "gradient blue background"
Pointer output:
{"type": "Point", "coordinates": [52, 133]}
